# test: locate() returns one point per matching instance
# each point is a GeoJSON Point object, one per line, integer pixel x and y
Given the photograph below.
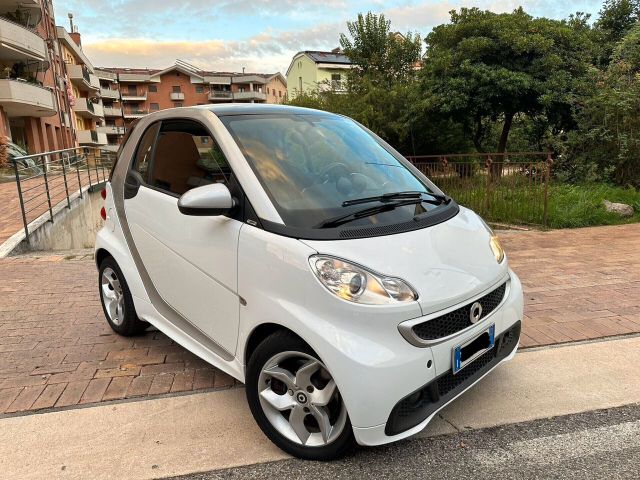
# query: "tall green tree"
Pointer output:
{"type": "Point", "coordinates": [606, 146]}
{"type": "Point", "coordinates": [379, 54]}
{"type": "Point", "coordinates": [482, 68]}
{"type": "Point", "coordinates": [617, 17]}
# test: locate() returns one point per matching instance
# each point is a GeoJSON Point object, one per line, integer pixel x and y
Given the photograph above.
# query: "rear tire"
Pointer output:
{"type": "Point", "coordinates": [295, 401]}
{"type": "Point", "coordinates": [116, 300]}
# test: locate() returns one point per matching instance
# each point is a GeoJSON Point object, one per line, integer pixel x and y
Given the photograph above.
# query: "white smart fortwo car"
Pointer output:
{"type": "Point", "coordinates": [301, 254]}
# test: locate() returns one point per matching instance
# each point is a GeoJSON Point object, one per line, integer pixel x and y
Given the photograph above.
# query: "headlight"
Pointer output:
{"type": "Point", "coordinates": [496, 248]}
{"type": "Point", "coordinates": [359, 285]}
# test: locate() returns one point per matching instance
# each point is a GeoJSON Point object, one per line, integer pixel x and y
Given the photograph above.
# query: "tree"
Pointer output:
{"type": "Point", "coordinates": [484, 67]}
{"type": "Point", "coordinates": [617, 17]}
{"type": "Point", "coordinates": [606, 146]}
{"type": "Point", "coordinates": [378, 53]}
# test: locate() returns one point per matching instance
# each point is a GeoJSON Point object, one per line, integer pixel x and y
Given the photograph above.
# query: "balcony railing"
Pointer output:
{"type": "Point", "coordinates": [111, 130]}
{"type": "Point", "coordinates": [177, 96]}
{"type": "Point", "coordinates": [255, 96]}
{"type": "Point", "coordinates": [20, 43]}
{"type": "Point", "coordinates": [50, 181]}
{"type": "Point", "coordinates": [21, 99]}
{"type": "Point", "coordinates": [86, 108]}
{"type": "Point", "coordinates": [135, 113]}
{"type": "Point", "coordinates": [82, 78]}
{"type": "Point", "coordinates": [109, 93]}
{"type": "Point", "coordinates": [220, 95]}
{"type": "Point", "coordinates": [91, 137]}
{"type": "Point", "coordinates": [112, 112]}
{"type": "Point", "coordinates": [133, 96]}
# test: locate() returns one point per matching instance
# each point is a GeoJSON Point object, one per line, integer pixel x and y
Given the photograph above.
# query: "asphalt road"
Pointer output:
{"type": "Point", "coordinates": [601, 444]}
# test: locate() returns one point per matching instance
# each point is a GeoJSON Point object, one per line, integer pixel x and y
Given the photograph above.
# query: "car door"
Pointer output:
{"type": "Point", "coordinates": [190, 261]}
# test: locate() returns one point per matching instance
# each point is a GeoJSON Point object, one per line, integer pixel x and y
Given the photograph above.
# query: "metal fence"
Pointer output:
{"type": "Point", "coordinates": [503, 188]}
{"type": "Point", "coordinates": [45, 180]}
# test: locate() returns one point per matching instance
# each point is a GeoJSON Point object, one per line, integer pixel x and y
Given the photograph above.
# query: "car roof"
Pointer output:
{"type": "Point", "coordinates": [223, 110]}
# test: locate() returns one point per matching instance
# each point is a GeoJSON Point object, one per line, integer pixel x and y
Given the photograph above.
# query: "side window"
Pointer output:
{"type": "Point", "coordinates": [186, 157]}
{"type": "Point", "coordinates": [145, 150]}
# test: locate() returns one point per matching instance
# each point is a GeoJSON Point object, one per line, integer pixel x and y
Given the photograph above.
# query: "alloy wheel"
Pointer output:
{"type": "Point", "coordinates": [112, 296]}
{"type": "Point", "coordinates": [300, 399]}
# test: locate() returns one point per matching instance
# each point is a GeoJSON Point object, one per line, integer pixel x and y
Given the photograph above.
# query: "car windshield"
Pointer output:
{"type": "Point", "coordinates": [313, 167]}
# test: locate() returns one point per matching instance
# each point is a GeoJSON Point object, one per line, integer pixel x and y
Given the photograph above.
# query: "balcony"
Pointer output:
{"type": "Point", "coordinates": [177, 96]}
{"type": "Point", "coordinates": [250, 96]}
{"type": "Point", "coordinates": [91, 137]}
{"type": "Point", "coordinates": [111, 130]}
{"type": "Point", "coordinates": [104, 75]}
{"type": "Point", "coordinates": [220, 96]}
{"type": "Point", "coordinates": [82, 78]}
{"type": "Point", "coordinates": [110, 93]}
{"type": "Point", "coordinates": [112, 112]}
{"type": "Point", "coordinates": [135, 113]}
{"type": "Point", "coordinates": [88, 109]}
{"type": "Point", "coordinates": [111, 147]}
{"type": "Point", "coordinates": [18, 43]}
{"type": "Point", "coordinates": [134, 77]}
{"type": "Point", "coordinates": [131, 96]}
{"type": "Point", "coordinates": [22, 99]}
{"type": "Point", "coordinates": [250, 79]}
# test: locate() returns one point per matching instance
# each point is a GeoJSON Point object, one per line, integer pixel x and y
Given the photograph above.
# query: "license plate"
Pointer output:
{"type": "Point", "coordinates": [467, 352]}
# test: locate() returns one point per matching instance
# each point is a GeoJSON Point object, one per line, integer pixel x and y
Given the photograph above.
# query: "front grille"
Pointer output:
{"type": "Point", "coordinates": [416, 407]}
{"type": "Point", "coordinates": [459, 319]}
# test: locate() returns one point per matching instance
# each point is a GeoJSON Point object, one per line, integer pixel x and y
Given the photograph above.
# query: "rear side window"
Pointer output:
{"type": "Point", "coordinates": [186, 157]}
{"type": "Point", "coordinates": [144, 152]}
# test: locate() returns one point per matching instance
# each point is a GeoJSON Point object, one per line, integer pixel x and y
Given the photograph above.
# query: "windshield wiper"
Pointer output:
{"type": "Point", "coordinates": [388, 197]}
{"type": "Point", "coordinates": [367, 212]}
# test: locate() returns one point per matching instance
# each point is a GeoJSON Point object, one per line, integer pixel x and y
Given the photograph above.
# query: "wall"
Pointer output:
{"type": "Point", "coordinates": [276, 90]}
{"type": "Point", "coordinates": [72, 229]}
{"type": "Point", "coordinates": [306, 68]}
{"type": "Point", "coordinates": [165, 88]}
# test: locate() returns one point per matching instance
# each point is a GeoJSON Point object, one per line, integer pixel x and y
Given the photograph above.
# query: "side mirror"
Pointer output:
{"type": "Point", "coordinates": [207, 201]}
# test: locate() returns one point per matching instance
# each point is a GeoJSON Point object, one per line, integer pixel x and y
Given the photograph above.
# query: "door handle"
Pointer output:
{"type": "Point", "coordinates": [132, 184]}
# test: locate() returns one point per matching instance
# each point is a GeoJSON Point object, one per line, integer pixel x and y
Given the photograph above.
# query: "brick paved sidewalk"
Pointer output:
{"type": "Point", "coordinates": [57, 350]}
{"type": "Point", "coordinates": [579, 284]}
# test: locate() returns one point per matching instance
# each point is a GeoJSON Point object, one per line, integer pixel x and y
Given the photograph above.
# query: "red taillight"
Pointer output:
{"type": "Point", "coordinates": [103, 193]}
{"type": "Point", "coordinates": [103, 213]}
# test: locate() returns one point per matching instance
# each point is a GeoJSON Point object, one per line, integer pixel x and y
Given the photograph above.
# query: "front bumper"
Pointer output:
{"type": "Point", "coordinates": [415, 408]}
{"type": "Point", "coordinates": [410, 404]}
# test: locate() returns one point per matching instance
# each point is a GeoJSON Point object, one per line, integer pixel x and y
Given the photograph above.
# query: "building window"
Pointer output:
{"type": "Point", "coordinates": [199, 89]}
{"type": "Point", "coordinates": [204, 140]}
{"type": "Point", "coordinates": [280, 93]}
{"type": "Point", "coordinates": [153, 88]}
{"type": "Point", "coordinates": [300, 84]}
{"type": "Point", "coordinates": [154, 107]}
{"type": "Point", "coordinates": [241, 89]}
{"type": "Point", "coordinates": [177, 104]}
{"type": "Point", "coordinates": [133, 90]}
{"type": "Point", "coordinates": [176, 89]}
{"type": "Point", "coordinates": [336, 80]}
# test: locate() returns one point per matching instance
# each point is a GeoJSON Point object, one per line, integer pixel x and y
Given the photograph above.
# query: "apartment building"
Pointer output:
{"type": "Point", "coordinates": [142, 91]}
{"type": "Point", "coordinates": [35, 96]}
{"type": "Point", "coordinates": [87, 106]}
{"type": "Point", "coordinates": [114, 126]}
{"type": "Point", "coordinates": [314, 71]}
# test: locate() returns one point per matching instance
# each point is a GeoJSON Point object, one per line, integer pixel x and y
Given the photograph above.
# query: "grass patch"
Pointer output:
{"type": "Point", "coordinates": [519, 200]}
{"type": "Point", "coordinates": [572, 206]}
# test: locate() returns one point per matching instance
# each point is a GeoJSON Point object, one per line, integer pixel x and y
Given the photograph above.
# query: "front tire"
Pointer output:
{"type": "Point", "coordinates": [116, 300]}
{"type": "Point", "coordinates": [295, 401]}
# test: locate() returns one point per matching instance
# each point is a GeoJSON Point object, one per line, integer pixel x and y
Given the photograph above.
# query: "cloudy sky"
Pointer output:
{"type": "Point", "coordinates": [261, 35]}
